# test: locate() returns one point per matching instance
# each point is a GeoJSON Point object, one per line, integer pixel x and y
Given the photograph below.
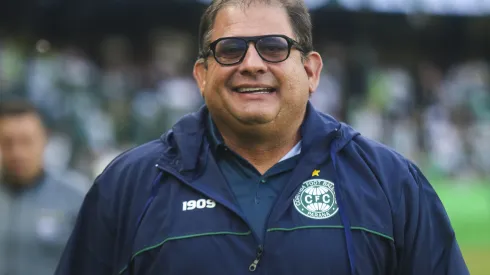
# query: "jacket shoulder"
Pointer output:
{"type": "Point", "coordinates": [142, 154]}
{"type": "Point", "coordinates": [393, 172]}
{"type": "Point", "coordinates": [378, 153]}
{"type": "Point", "coordinates": [130, 167]}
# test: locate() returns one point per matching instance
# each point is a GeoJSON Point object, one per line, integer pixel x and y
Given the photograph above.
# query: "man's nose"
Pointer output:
{"type": "Point", "coordinates": [252, 63]}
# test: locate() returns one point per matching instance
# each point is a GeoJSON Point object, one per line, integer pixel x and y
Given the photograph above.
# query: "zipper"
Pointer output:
{"type": "Point", "coordinates": [260, 249]}
{"type": "Point", "coordinates": [254, 264]}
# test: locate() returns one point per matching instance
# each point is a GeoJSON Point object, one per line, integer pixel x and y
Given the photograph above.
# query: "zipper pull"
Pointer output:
{"type": "Point", "coordinates": [254, 264]}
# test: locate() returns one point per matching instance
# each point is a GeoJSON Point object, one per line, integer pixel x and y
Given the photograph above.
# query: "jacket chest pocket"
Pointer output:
{"type": "Point", "coordinates": [323, 250]}
{"type": "Point", "coordinates": [217, 253]}
{"type": "Point", "coordinates": [188, 236]}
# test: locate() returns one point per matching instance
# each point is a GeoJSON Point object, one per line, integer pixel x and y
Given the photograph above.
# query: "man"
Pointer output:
{"type": "Point", "coordinates": [257, 180]}
{"type": "Point", "coordinates": [37, 210]}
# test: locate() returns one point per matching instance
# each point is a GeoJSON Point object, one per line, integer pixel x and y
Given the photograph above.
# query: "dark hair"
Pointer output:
{"type": "Point", "coordinates": [17, 107]}
{"type": "Point", "coordinates": [299, 18]}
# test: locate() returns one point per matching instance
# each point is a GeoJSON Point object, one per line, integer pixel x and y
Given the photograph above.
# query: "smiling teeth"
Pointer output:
{"type": "Point", "coordinates": [254, 90]}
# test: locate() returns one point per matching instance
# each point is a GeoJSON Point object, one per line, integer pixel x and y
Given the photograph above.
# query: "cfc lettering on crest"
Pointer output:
{"type": "Point", "coordinates": [198, 204]}
{"type": "Point", "coordinates": [316, 199]}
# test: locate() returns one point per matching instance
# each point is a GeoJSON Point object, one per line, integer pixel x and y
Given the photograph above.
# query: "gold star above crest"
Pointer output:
{"type": "Point", "coordinates": [316, 173]}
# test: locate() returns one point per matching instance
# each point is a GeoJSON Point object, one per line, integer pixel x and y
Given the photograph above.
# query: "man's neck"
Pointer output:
{"type": "Point", "coordinates": [263, 149]}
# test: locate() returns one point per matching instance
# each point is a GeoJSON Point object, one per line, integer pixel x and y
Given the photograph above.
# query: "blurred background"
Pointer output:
{"type": "Point", "coordinates": [413, 74]}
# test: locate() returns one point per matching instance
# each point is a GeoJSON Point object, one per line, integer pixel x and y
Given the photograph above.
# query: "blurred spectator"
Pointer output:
{"type": "Point", "coordinates": [37, 208]}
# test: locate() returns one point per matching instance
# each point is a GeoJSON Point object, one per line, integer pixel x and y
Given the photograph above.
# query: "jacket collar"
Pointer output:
{"type": "Point", "coordinates": [188, 142]}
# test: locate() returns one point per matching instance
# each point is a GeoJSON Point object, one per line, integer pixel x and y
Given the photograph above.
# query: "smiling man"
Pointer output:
{"type": "Point", "coordinates": [258, 180]}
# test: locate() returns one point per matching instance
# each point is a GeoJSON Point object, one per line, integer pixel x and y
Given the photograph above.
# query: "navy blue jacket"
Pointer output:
{"type": "Point", "coordinates": [165, 208]}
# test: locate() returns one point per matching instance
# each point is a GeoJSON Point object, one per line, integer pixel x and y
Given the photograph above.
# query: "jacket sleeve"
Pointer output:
{"type": "Point", "coordinates": [90, 247]}
{"type": "Point", "coordinates": [428, 245]}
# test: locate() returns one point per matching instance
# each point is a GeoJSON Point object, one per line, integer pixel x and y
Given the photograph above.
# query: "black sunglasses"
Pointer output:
{"type": "Point", "coordinates": [271, 48]}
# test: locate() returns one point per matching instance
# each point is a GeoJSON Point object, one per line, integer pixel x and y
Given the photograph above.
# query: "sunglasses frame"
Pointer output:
{"type": "Point", "coordinates": [247, 39]}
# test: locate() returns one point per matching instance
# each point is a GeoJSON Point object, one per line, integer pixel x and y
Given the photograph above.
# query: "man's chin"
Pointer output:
{"type": "Point", "coordinates": [255, 119]}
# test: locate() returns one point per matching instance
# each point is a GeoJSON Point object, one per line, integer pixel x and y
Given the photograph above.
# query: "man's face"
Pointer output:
{"type": "Point", "coordinates": [292, 80]}
{"type": "Point", "coordinates": [22, 142]}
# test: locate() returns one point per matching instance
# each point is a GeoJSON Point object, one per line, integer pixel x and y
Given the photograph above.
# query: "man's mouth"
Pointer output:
{"type": "Point", "coordinates": [257, 90]}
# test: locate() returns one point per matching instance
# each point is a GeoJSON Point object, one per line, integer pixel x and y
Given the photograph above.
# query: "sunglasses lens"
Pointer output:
{"type": "Point", "coordinates": [273, 48]}
{"type": "Point", "coordinates": [230, 50]}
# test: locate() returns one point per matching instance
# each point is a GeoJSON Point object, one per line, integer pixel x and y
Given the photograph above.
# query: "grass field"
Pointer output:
{"type": "Point", "coordinates": [478, 260]}
{"type": "Point", "coordinates": [468, 207]}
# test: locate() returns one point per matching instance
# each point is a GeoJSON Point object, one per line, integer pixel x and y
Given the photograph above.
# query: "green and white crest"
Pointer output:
{"type": "Point", "coordinates": [316, 199]}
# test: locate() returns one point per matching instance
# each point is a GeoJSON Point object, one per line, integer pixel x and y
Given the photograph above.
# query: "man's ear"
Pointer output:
{"type": "Point", "coordinates": [200, 70]}
{"type": "Point", "coordinates": [313, 66]}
